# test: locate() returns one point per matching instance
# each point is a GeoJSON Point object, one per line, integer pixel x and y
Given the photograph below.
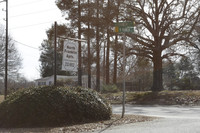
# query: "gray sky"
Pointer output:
{"type": "Point", "coordinates": [28, 22]}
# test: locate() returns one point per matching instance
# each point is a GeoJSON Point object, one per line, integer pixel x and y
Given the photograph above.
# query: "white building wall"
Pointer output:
{"type": "Point", "coordinates": [50, 80]}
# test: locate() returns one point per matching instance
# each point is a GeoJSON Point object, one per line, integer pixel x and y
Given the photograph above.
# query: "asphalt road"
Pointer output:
{"type": "Point", "coordinates": [174, 119]}
{"type": "Point", "coordinates": [160, 111]}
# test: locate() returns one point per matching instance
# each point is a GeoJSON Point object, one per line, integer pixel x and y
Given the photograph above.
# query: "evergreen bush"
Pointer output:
{"type": "Point", "coordinates": [53, 106]}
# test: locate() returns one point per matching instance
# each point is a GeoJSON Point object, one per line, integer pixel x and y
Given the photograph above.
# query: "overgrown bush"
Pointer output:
{"type": "Point", "coordinates": [51, 106]}
{"type": "Point", "coordinates": [110, 88]}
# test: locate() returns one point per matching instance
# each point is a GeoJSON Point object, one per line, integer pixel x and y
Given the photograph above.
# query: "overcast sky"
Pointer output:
{"type": "Point", "coordinates": [28, 22]}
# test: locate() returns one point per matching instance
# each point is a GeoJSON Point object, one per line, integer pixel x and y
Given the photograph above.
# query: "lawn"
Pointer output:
{"type": "Point", "coordinates": [1, 98]}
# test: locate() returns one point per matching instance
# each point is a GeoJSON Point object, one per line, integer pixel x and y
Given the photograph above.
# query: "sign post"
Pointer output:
{"type": "Point", "coordinates": [55, 56]}
{"type": "Point", "coordinates": [70, 56]}
{"type": "Point", "coordinates": [124, 27]}
{"type": "Point", "coordinates": [124, 75]}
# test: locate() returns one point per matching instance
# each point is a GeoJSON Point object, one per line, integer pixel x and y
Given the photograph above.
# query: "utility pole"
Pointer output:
{"type": "Point", "coordinates": [89, 60]}
{"type": "Point", "coordinates": [6, 53]}
{"type": "Point", "coordinates": [55, 46]}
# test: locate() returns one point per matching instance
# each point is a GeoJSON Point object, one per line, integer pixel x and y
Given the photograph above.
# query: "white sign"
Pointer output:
{"type": "Point", "coordinates": [70, 56]}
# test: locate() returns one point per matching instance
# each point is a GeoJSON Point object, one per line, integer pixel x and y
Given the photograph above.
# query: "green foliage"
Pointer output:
{"type": "Point", "coordinates": [110, 89]}
{"type": "Point", "coordinates": [1, 98]}
{"type": "Point", "coordinates": [181, 75]}
{"type": "Point", "coordinates": [47, 51]}
{"type": "Point", "coordinates": [171, 75]}
{"type": "Point", "coordinates": [185, 83]}
{"type": "Point", "coordinates": [52, 106]}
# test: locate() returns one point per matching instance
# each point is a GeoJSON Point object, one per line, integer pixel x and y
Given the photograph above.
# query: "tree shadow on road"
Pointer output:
{"type": "Point", "coordinates": [128, 119]}
{"type": "Point", "coordinates": [109, 125]}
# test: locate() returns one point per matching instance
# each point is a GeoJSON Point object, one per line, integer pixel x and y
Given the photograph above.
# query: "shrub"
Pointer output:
{"type": "Point", "coordinates": [110, 89]}
{"type": "Point", "coordinates": [50, 106]}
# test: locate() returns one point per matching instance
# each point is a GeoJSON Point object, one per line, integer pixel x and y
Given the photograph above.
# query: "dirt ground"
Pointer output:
{"type": "Point", "coordinates": [88, 127]}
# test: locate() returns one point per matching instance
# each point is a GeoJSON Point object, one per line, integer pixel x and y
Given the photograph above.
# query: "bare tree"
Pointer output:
{"type": "Point", "coordinates": [195, 42]}
{"type": "Point", "coordinates": [161, 25]}
{"type": "Point", "coordinates": [14, 59]}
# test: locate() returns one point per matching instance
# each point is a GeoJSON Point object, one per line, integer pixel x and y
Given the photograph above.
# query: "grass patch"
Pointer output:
{"type": "Point", "coordinates": [162, 98]}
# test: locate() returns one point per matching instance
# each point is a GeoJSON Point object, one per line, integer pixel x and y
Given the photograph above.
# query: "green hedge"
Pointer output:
{"type": "Point", "coordinates": [50, 106]}
{"type": "Point", "coordinates": [111, 88]}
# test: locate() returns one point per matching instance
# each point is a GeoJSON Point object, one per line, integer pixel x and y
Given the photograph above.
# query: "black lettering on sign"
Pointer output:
{"type": "Point", "coordinates": [71, 52]}
{"type": "Point", "coordinates": [70, 47]}
{"type": "Point", "coordinates": [68, 64]}
{"type": "Point", "coordinates": [70, 56]}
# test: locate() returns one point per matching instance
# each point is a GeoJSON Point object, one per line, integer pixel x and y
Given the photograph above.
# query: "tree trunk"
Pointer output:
{"type": "Point", "coordinates": [116, 48]}
{"type": "Point", "coordinates": [157, 59]}
{"type": "Point", "coordinates": [107, 58]}
{"type": "Point", "coordinates": [157, 72]}
{"type": "Point", "coordinates": [104, 63]}
{"type": "Point", "coordinates": [98, 52]}
{"type": "Point", "coordinates": [108, 46]}
{"type": "Point", "coordinates": [115, 61]}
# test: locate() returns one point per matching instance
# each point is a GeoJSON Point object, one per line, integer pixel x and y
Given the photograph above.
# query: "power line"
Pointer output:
{"type": "Point", "coordinates": [36, 12]}
{"type": "Point", "coordinates": [32, 25]}
{"type": "Point", "coordinates": [28, 3]}
{"type": "Point", "coordinates": [25, 44]}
